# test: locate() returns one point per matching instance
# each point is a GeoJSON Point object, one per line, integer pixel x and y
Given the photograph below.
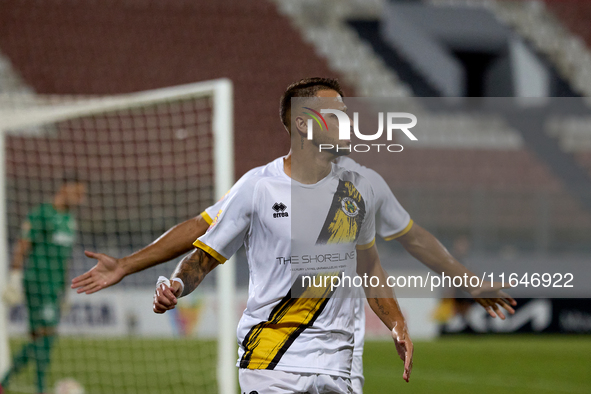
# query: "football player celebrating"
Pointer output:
{"type": "Point", "coordinates": [391, 221]}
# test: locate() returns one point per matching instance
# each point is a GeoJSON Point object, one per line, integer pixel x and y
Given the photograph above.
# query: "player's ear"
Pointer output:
{"type": "Point", "coordinates": [299, 123]}
{"type": "Point", "coordinates": [299, 126]}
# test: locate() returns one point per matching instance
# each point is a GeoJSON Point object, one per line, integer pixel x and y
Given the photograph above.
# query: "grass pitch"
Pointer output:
{"type": "Point", "coordinates": [466, 364]}
{"type": "Point", "coordinates": [484, 364]}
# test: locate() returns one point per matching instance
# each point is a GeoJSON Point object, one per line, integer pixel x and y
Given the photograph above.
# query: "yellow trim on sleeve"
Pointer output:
{"type": "Point", "coordinates": [206, 217]}
{"type": "Point", "coordinates": [366, 246]}
{"type": "Point", "coordinates": [221, 259]}
{"type": "Point", "coordinates": [400, 233]}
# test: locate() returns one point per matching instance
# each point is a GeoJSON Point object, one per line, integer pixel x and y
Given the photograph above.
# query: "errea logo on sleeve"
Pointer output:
{"type": "Point", "coordinates": [279, 209]}
{"type": "Point", "coordinates": [215, 220]}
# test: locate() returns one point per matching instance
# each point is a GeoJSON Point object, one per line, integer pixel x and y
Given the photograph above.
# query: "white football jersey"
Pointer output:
{"type": "Point", "coordinates": [312, 333]}
{"type": "Point", "coordinates": [392, 221]}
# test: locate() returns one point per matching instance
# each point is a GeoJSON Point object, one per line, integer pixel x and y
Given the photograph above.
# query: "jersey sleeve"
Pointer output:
{"type": "Point", "coordinates": [231, 223]}
{"type": "Point", "coordinates": [367, 237]}
{"type": "Point", "coordinates": [211, 212]}
{"type": "Point", "coordinates": [392, 220]}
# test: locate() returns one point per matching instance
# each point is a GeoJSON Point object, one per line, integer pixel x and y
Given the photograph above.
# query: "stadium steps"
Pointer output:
{"type": "Point", "coordinates": [450, 137]}
{"type": "Point", "coordinates": [324, 24]}
{"type": "Point", "coordinates": [10, 80]}
{"type": "Point", "coordinates": [571, 58]}
{"type": "Point", "coordinates": [574, 136]}
{"type": "Point", "coordinates": [368, 30]}
{"type": "Point", "coordinates": [562, 163]}
{"type": "Point", "coordinates": [546, 26]}
{"type": "Point", "coordinates": [560, 30]}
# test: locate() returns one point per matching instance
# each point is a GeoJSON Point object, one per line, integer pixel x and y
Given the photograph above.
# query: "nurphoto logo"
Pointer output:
{"type": "Point", "coordinates": [392, 124]}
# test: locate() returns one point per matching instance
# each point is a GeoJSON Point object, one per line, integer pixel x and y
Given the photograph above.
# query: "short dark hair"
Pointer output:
{"type": "Point", "coordinates": [307, 87]}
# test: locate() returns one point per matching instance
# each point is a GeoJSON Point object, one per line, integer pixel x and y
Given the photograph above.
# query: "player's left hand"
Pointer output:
{"type": "Point", "coordinates": [166, 295]}
{"type": "Point", "coordinates": [404, 347]}
{"type": "Point", "coordinates": [492, 298]}
{"type": "Point", "coordinates": [13, 292]}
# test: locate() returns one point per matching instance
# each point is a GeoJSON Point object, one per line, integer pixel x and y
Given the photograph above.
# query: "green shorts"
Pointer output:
{"type": "Point", "coordinates": [43, 309]}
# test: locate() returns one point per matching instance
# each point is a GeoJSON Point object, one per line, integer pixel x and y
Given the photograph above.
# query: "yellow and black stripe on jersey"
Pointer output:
{"type": "Point", "coordinates": [345, 216]}
{"type": "Point", "coordinates": [267, 342]}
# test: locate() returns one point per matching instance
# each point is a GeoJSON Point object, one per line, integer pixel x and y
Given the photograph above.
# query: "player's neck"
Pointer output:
{"type": "Point", "coordinates": [59, 203]}
{"type": "Point", "coordinates": [287, 164]}
{"type": "Point", "coordinates": [308, 166]}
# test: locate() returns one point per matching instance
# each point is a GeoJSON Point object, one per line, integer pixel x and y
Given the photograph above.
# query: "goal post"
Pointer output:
{"type": "Point", "coordinates": [160, 127]}
{"type": "Point", "coordinates": [224, 179]}
{"type": "Point", "coordinates": [4, 261]}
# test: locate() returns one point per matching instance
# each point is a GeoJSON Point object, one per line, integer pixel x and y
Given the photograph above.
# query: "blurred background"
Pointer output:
{"type": "Point", "coordinates": [492, 189]}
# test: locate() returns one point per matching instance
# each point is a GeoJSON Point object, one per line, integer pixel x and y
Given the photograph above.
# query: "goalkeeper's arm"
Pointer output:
{"type": "Point", "coordinates": [172, 244]}
{"type": "Point", "coordinates": [186, 277]}
{"type": "Point", "coordinates": [13, 293]}
{"type": "Point", "coordinates": [21, 251]}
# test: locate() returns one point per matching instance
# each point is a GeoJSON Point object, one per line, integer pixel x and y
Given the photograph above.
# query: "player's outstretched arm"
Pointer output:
{"type": "Point", "coordinates": [384, 304]}
{"type": "Point", "coordinates": [191, 271]}
{"type": "Point", "coordinates": [109, 270]}
{"type": "Point", "coordinates": [423, 246]}
{"type": "Point", "coordinates": [13, 292]}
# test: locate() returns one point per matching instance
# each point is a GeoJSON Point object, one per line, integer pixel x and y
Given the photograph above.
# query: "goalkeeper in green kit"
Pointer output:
{"type": "Point", "coordinates": [46, 244]}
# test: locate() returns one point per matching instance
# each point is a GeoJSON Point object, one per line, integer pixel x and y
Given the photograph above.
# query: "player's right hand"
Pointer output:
{"type": "Point", "coordinates": [105, 273]}
{"type": "Point", "coordinates": [166, 295]}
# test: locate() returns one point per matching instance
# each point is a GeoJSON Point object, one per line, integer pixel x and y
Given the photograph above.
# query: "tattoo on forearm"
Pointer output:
{"type": "Point", "coordinates": [381, 307]}
{"type": "Point", "coordinates": [192, 269]}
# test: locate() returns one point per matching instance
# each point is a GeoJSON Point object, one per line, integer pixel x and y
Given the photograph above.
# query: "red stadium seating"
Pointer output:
{"type": "Point", "coordinates": [574, 14]}
{"type": "Point", "coordinates": [118, 46]}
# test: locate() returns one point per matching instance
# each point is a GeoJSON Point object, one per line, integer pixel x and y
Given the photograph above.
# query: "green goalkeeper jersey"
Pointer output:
{"type": "Point", "coordinates": [52, 235]}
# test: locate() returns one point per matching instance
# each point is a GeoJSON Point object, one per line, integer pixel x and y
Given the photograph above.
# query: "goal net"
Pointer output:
{"type": "Point", "coordinates": [149, 160]}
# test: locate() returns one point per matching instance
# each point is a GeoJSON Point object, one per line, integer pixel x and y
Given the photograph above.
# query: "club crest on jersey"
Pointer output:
{"type": "Point", "coordinates": [345, 216]}
{"type": "Point", "coordinates": [350, 207]}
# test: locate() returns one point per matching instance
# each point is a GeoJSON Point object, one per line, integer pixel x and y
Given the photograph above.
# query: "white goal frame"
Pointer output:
{"type": "Point", "coordinates": [221, 91]}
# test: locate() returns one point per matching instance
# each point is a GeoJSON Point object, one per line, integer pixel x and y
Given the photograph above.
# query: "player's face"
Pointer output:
{"type": "Point", "coordinates": [331, 99]}
{"type": "Point", "coordinates": [75, 193]}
